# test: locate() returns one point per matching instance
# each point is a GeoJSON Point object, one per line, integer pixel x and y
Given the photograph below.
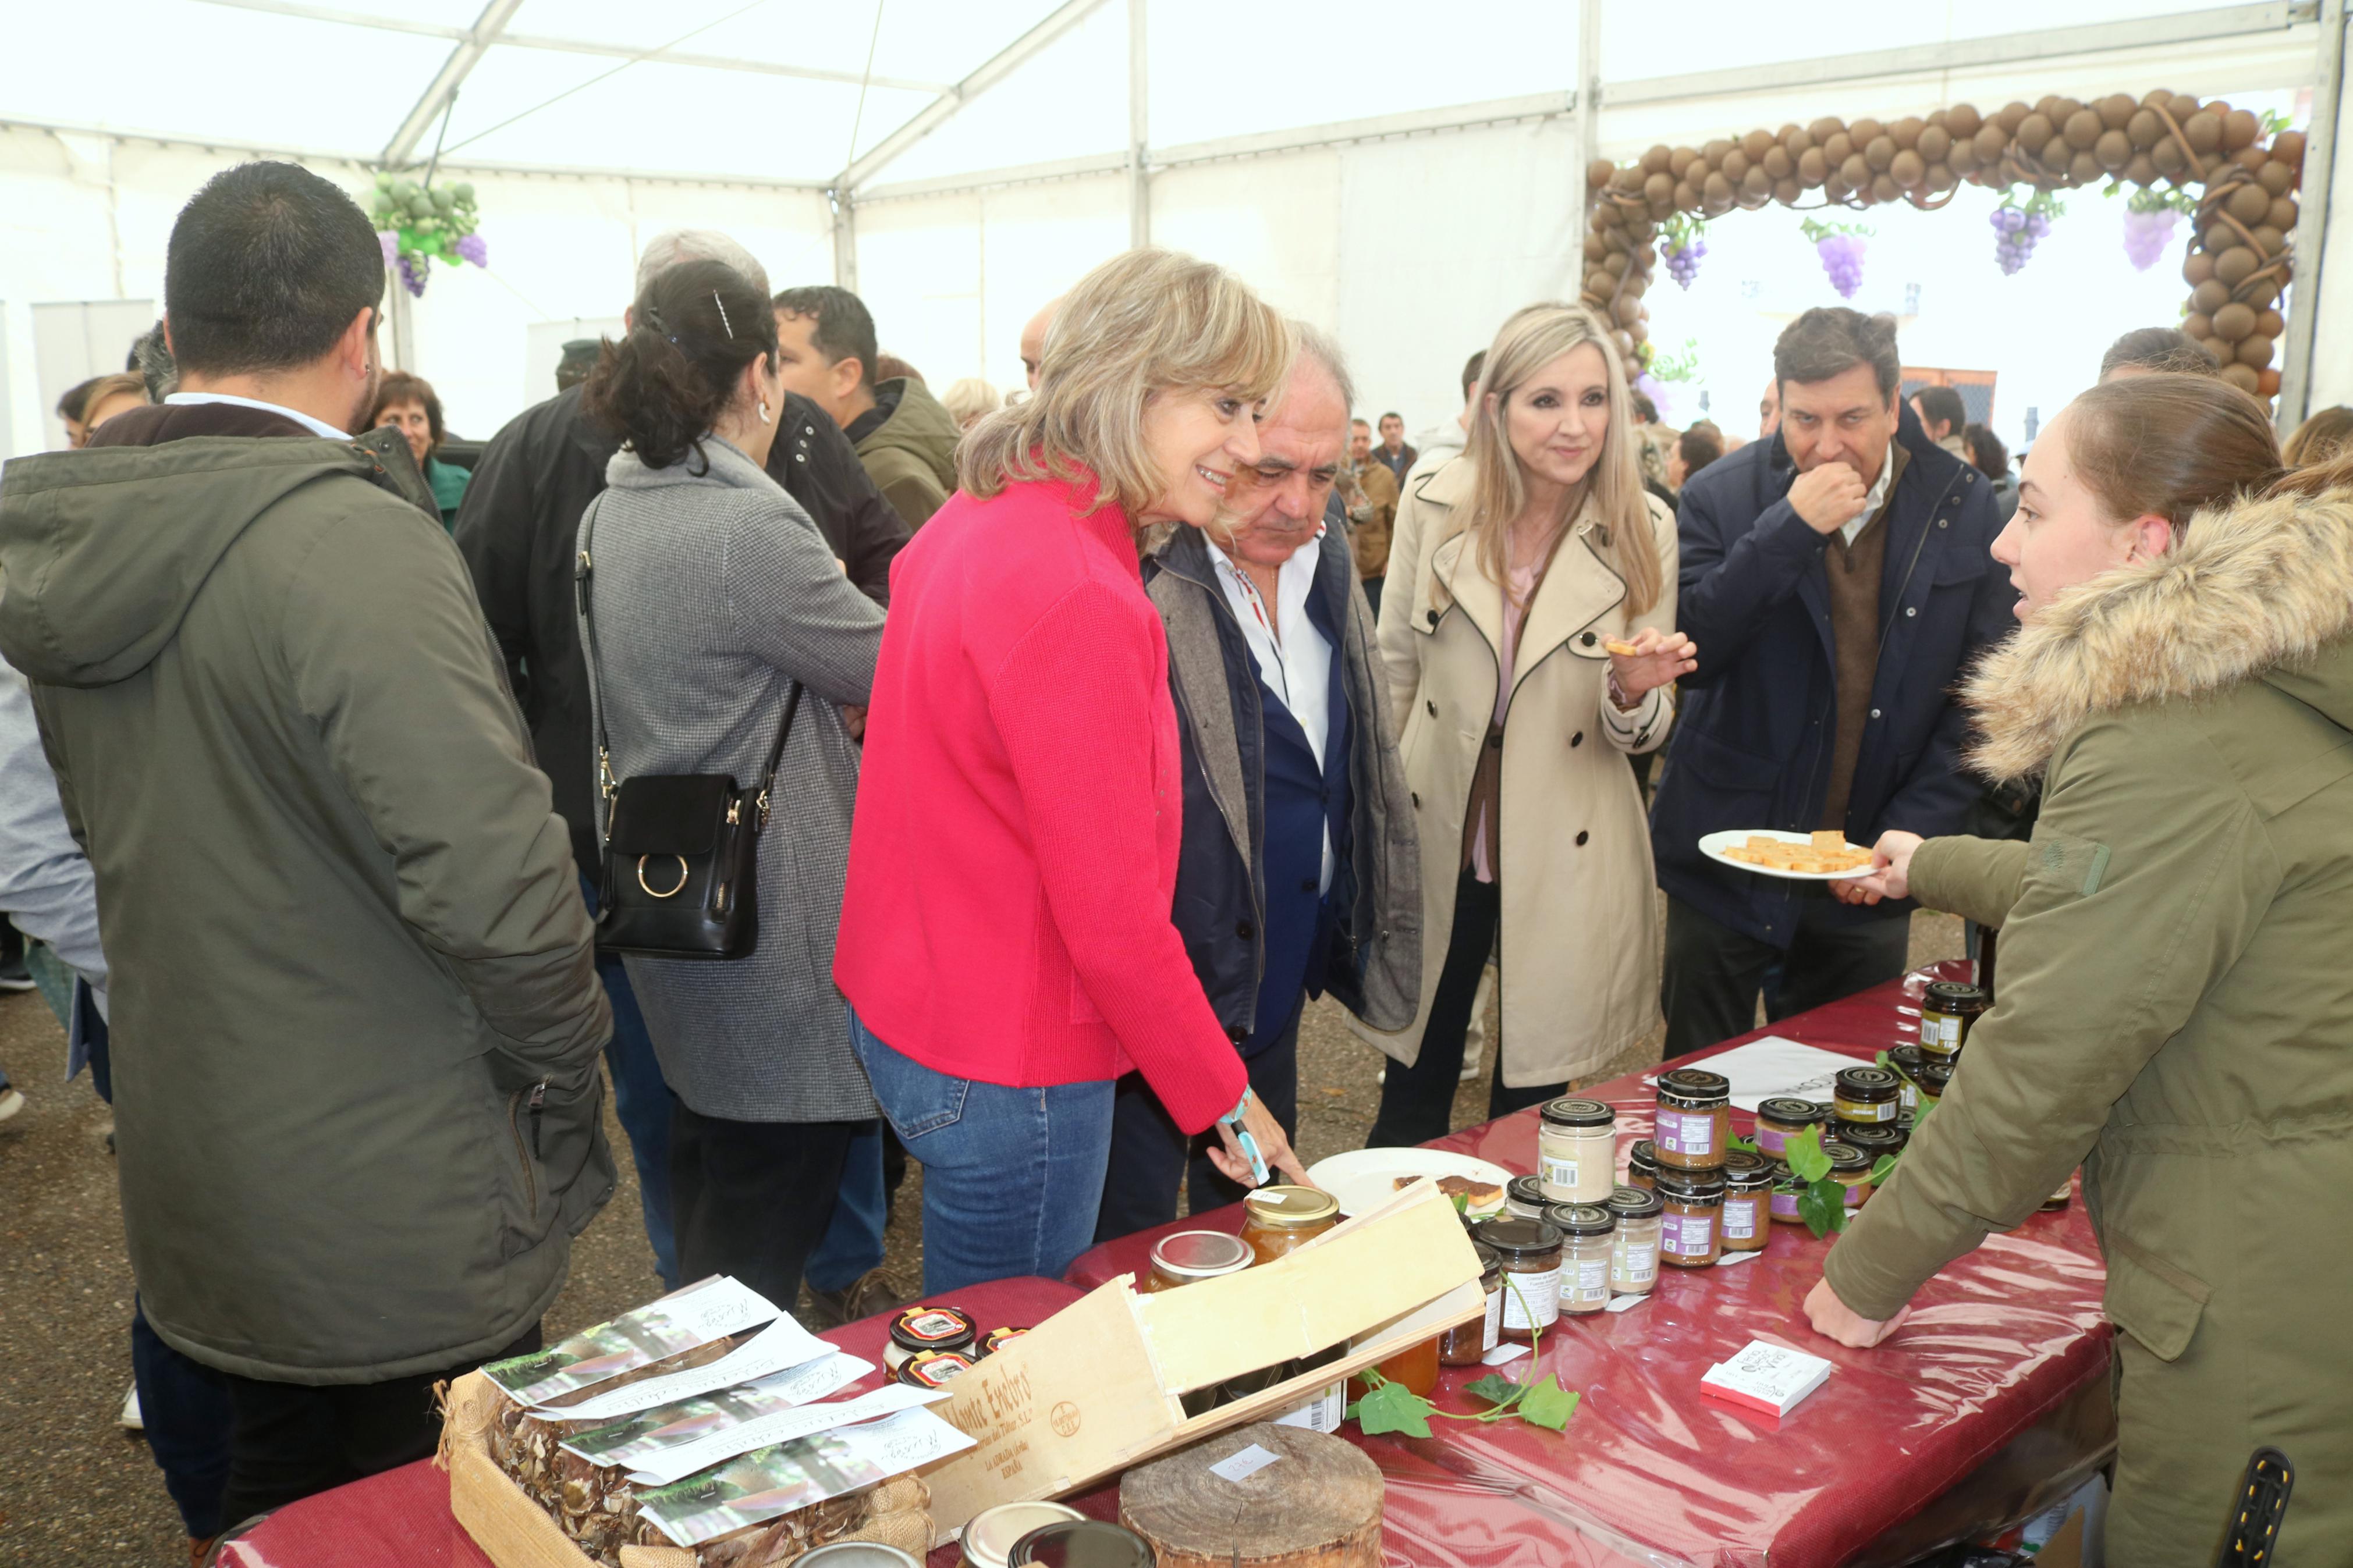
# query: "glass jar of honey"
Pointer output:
{"type": "Point", "coordinates": [1634, 1249]}
{"type": "Point", "coordinates": [1948, 1010]}
{"type": "Point", "coordinates": [1416, 1367]}
{"type": "Point", "coordinates": [1465, 1344]}
{"type": "Point", "coordinates": [1576, 1151]}
{"type": "Point", "coordinates": [1279, 1220]}
{"type": "Point", "coordinates": [1691, 1233]}
{"type": "Point", "coordinates": [1747, 1193]}
{"type": "Point", "coordinates": [1781, 1119]}
{"type": "Point", "coordinates": [1693, 1122]}
{"type": "Point", "coordinates": [1193, 1255]}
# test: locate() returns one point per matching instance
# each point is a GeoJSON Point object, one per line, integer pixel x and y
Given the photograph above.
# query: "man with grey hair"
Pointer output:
{"type": "Point", "coordinates": [1298, 871]}
{"type": "Point", "coordinates": [1838, 581]}
{"type": "Point", "coordinates": [517, 529]}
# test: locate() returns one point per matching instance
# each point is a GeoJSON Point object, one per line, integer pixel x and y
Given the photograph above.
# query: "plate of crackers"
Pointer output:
{"type": "Point", "coordinates": [1822, 856]}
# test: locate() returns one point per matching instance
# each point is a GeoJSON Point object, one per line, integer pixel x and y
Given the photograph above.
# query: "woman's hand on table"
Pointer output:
{"type": "Point", "coordinates": [1655, 658]}
{"type": "Point", "coordinates": [1274, 1147]}
{"type": "Point", "coordinates": [1833, 1318]}
{"type": "Point", "coordinates": [1891, 871]}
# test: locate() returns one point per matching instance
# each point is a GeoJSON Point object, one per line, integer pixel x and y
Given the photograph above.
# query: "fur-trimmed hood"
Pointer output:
{"type": "Point", "coordinates": [2257, 587]}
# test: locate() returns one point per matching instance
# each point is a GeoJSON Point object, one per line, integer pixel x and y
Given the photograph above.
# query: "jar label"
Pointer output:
{"type": "Point", "coordinates": [934, 1327]}
{"type": "Point", "coordinates": [1908, 1095]}
{"type": "Point", "coordinates": [1686, 1133]}
{"type": "Point", "coordinates": [1558, 1175]}
{"type": "Point", "coordinates": [1493, 1335]}
{"type": "Point", "coordinates": [1688, 1235]}
{"type": "Point", "coordinates": [1869, 1109]}
{"type": "Point", "coordinates": [1940, 1033]}
{"type": "Point", "coordinates": [1855, 1192]}
{"type": "Point", "coordinates": [1739, 1219]}
{"type": "Point", "coordinates": [1784, 1204]}
{"type": "Point", "coordinates": [1322, 1411]}
{"type": "Point", "coordinates": [1530, 1300]}
{"type": "Point", "coordinates": [1636, 1265]}
{"type": "Point", "coordinates": [1771, 1141]}
{"type": "Point", "coordinates": [1592, 1281]}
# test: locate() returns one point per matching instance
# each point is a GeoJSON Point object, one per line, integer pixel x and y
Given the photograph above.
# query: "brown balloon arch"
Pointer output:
{"type": "Point", "coordinates": [2244, 186]}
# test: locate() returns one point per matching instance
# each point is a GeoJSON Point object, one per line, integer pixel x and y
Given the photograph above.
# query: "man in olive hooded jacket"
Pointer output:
{"type": "Point", "coordinates": [355, 1013]}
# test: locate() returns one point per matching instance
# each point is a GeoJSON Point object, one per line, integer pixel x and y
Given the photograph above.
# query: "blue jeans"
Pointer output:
{"type": "Point", "coordinates": [853, 1239]}
{"type": "Point", "coordinates": [1012, 1177]}
{"type": "Point", "coordinates": [642, 1101]}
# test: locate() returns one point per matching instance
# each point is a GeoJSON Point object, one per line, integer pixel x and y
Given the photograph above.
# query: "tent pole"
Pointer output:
{"type": "Point", "coordinates": [1588, 108]}
{"type": "Point", "coordinates": [2312, 218]}
{"type": "Point", "coordinates": [845, 238]}
{"type": "Point", "coordinates": [1139, 131]}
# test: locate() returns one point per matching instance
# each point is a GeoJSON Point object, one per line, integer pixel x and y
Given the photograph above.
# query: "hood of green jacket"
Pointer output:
{"type": "Point", "coordinates": [2262, 590]}
{"type": "Point", "coordinates": [104, 550]}
{"type": "Point", "coordinates": [920, 427]}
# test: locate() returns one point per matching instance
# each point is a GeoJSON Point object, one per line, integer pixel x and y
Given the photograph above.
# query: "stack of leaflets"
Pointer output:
{"type": "Point", "coordinates": [736, 1440]}
{"type": "Point", "coordinates": [1765, 1378]}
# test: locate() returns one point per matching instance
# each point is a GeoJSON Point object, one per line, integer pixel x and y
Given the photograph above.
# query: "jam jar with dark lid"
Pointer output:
{"type": "Point", "coordinates": [1906, 1061]}
{"type": "Point", "coordinates": [1634, 1249]}
{"type": "Point", "coordinates": [1782, 1117]}
{"type": "Point", "coordinates": [1691, 1231]}
{"type": "Point", "coordinates": [1948, 1010]}
{"type": "Point", "coordinates": [1189, 1256]}
{"type": "Point", "coordinates": [1277, 1220]}
{"type": "Point", "coordinates": [920, 1329]}
{"type": "Point", "coordinates": [1850, 1168]}
{"type": "Point", "coordinates": [1641, 1163]}
{"type": "Point", "coordinates": [1587, 1237]}
{"type": "Point", "coordinates": [1530, 1253]}
{"type": "Point", "coordinates": [1747, 1190]}
{"type": "Point", "coordinates": [1465, 1344]}
{"type": "Point", "coordinates": [1576, 1151]}
{"type": "Point", "coordinates": [1783, 1203]}
{"type": "Point", "coordinates": [935, 1369]}
{"type": "Point", "coordinates": [1693, 1121]}
{"type": "Point", "coordinates": [1867, 1094]}
{"type": "Point", "coordinates": [1524, 1197]}
{"type": "Point", "coordinates": [1874, 1139]}
{"type": "Point", "coordinates": [1936, 1077]}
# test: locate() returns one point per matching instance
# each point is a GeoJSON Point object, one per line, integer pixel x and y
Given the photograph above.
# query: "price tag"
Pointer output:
{"type": "Point", "coordinates": [1626, 1303]}
{"type": "Point", "coordinates": [1244, 1465]}
{"type": "Point", "coordinates": [1729, 1258]}
{"type": "Point", "coordinates": [1506, 1351]}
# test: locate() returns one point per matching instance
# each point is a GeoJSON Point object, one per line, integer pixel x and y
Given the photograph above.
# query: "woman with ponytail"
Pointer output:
{"type": "Point", "coordinates": [2176, 1004]}
{"type": "Point", "coordinates": [713, 597]}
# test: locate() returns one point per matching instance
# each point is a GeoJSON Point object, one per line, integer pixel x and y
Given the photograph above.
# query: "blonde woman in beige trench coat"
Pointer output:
{"type": "Point", "coordinates": [1535, 551]}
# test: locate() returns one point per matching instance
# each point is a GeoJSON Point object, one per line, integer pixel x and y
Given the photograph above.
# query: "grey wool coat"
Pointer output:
{"type": "Point", "coordinates": [712, 592]}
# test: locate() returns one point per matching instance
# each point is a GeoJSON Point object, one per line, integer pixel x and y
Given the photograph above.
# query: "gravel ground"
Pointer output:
{"type": "Point", "coordinates": [75, 1489]}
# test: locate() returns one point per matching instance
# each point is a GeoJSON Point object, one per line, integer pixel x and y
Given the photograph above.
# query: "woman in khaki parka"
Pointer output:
{"type": "Point", "coordinates": [2174, 1009]}
{"type": "Point", "coordinates": [1530, 554]}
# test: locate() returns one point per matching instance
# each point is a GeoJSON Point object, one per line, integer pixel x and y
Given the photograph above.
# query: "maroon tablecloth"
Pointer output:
{"type": "Point", "coordinates": [1997, 1343]}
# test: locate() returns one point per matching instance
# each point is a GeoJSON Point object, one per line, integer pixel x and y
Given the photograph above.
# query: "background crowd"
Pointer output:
{"type": "Point", "coordinates": [1094, 733]}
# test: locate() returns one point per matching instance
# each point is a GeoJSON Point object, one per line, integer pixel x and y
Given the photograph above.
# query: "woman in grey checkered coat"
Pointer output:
{"type": "Point", "coordinates": [711, 594]}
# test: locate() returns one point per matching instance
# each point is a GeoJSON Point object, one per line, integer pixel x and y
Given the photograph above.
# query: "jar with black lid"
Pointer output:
{"type": "Point", "coordinates": [920, 1329]}
{"type": "Point", "coordinates": [1634, 1248]}
{"type": "Point", "coordinates": [1906, 1061]}
{"type": "Point", "coordinates": [1867, 1094]}
{"type": "Point", "coordinates": [1747, 1188]}
{"type": "Point", "coordinates": [1465, 1344]}
{"type": "Point", "coordinates": [1948, 1010]}
{"type": "Point", "coordinates": [1691, 1232]}
{"type": "Point", "coordinates": [1787, 1190]}
{"type": "Point", "coordinates": [1576, 1151]}
{"type": "Point", "coordinates": [1586, 1235]}
{"type": "Point", "coordinates": [1530, 1252]}
{"type": "Point", "coordinates": [1641, 1163]}
{"type": "Point", "coordinates": [1936, 1077]}
{"type": "Point", "coordinates": [1693, 1121]}
{"type": "Point", "coordinates": [1874, 1139]}
{"type": "Point", "coordinates": [1851, 1169]}
{"type": "Point", "coordinates": [1781, 1119]}
{"type": "Point", "coordinates": [1526, 1198]}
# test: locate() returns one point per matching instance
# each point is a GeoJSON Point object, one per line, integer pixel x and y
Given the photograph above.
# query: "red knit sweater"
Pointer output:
{"type": "Point", "coordinates": [1013, 858]}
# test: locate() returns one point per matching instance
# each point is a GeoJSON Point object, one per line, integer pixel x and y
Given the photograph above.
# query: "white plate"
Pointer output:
{"type": "Point", "coordinates": [1364, 1179]}
{"type": "Point", "coordinates": [1714, 845]}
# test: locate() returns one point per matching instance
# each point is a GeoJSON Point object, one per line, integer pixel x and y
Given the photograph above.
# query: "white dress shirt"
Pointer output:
{"type": "Point", "coordinates": [1876, 499]}
{"type": "Point", "coordinates": [1297, 667]}
{"type": "Point", "coordinates": [317, 426]}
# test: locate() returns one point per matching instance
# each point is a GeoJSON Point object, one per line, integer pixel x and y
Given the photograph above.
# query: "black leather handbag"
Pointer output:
{"type": "Point", "coordinates": [682, 853]}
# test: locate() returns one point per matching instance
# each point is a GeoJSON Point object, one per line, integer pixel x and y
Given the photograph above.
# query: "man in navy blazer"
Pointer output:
{"type": "Point", "coordinates": [1838, 581]}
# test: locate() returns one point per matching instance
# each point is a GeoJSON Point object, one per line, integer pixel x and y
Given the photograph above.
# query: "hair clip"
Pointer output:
{"type": "Point", "coordinates": [723, 314]}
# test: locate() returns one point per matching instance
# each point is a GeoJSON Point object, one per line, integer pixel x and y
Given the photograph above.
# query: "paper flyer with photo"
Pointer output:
{"type": "Point", "coordinates": [756, 1486]}
{"type": "Point", "coordinates": [782, 1345]}
{"type": "Point", "coordinates": [666, 1464]}
{"type": "Point", "coordinates": [685, 1422]}
{"type": "Point", "coordinates": [680, 1322]}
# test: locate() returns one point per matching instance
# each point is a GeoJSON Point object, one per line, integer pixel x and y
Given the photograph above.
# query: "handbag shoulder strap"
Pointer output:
{"type": "Point", "coordinates": [583, 569]}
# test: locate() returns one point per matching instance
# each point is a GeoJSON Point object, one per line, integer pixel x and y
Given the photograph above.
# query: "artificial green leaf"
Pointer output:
{"type": "Point", "coordinates": [1804, 1153]}
{"type": "Point", "coordinates": [1746, 1145]}
{"type": "Point", "coordinates": [1461, 1203]}
{"type": "Point", "coordinates": [1547, 1405]}
{"type": "Point", "coordinates": [1497, 1390]}
{"type": "Point", "coordinates": [1393, 1407]}
{"type": "Point", "coordinates": [1881, 1059]}
{"type": "Point", "coordinates": [1882, 1168]}
{"type": "Point", "coordinates": [1822, 1206]}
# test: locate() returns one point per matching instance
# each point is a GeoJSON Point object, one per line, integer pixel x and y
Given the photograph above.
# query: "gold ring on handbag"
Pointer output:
{"type": "Point", "coordinates": [683, 873]}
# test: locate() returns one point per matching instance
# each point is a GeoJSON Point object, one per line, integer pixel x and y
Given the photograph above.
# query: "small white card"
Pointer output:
{"type": "Point", "coordinates": [1506, 1351]}
{"type": "Point", "coordinates": [1626, 1303]}
{"type": "Point", "coordinates": [1729, 1258]}
{"type": "Point", "coordinates": [1773, 1066]}
{"type": "Point", "coordinates": [1244, 1465]}
{"type": "Point", "coordinates": [1766, 1377]}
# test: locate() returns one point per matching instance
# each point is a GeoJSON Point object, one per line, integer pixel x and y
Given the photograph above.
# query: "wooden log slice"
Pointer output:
{"type": "Point", "coordinates": [1318, 1505]}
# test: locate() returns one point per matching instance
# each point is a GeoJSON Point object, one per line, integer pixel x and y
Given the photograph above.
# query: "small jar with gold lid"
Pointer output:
{"type": "Point", "coordinates": [1282, 1219]}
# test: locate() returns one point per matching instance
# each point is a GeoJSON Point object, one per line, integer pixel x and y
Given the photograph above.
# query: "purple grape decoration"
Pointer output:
{"type": "Point", "coordinates": [2148, 236]}
{"type": "Point", "coordinates": [1841, 255]}
{"type": "Point", "coordinates": [2016, 230]}
{"type": "Point", "coordinates": [413, 274]}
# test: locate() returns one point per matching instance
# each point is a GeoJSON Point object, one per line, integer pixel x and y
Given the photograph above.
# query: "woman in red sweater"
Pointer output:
{"type": "Point", "coordinates": [1006, 944]}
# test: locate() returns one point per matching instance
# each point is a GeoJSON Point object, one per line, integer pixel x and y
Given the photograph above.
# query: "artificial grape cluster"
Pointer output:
{"type": "Point", "coordinates": [2148, 236]}
{"type": "Point", "coordinates": [1683, 258]}
{"type": "Point", "coordinates": [2015, 232]}
{"type": "Point", "coordinates": [1841, 256]}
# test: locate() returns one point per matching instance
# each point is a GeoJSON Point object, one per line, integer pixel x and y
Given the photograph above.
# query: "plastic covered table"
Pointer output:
{"type": "Point", "coordinates": [1989, 1404]}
